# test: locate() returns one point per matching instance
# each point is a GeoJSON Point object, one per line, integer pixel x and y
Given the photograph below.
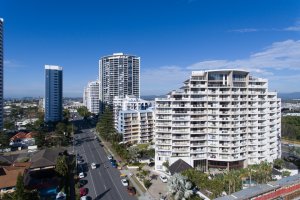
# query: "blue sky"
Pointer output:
{"type": "Point", "coordinates": [172, 37]}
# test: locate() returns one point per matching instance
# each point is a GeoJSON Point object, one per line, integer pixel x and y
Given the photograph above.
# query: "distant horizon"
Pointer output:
{"type": "Point", "coordinates": [40, 97]}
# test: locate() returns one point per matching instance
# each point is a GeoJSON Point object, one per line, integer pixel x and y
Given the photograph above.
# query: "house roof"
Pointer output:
{"type": "Point", "coordinates": [8, 159]}
{"type": "Point", "coordinates": [45, 158]}
{"type": "Point", "coordinates": [179, 166]}
{"type": "Point", "coordinates": [9, 174]}
{"type": "Point", "coordinates": [262, 188]}
{"type": "Point", "coordinates": [22, 135]}
{"type": "Point", "coordinates": [249, 192]}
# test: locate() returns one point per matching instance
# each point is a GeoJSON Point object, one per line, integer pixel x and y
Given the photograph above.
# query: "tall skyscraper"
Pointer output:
{"type": "Point", "coordinates": [1, 74]}
{"type": "Point", "coordinates": [119, 75]}
{"type": "Point", "coordinates": [218, 119]}
{"type": "Point", "coordinates": [53, 93]}
{"type": "Point", "coordinates": [91, 97]}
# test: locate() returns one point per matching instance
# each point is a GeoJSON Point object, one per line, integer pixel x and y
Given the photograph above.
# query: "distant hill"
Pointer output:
{"type": "Point", "coordinates": [286, 96]}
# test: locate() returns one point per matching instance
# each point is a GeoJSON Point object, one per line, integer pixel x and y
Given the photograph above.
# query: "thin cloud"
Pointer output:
{"type": "Point", "coordinates": [244, 30]}
{"type": "Point", "coordinates": [280, 55]}
{"type": "Point", "coordinates": [271, 62]}
{"type": "Point", "coordinates": [296, 27]}
{"type": "Point", "coordinates": [12, 64]}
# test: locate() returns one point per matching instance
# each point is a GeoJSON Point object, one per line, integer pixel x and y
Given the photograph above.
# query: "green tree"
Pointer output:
{"type": "Point", "coordinates": [147, 183]}
{"type": "Point", "coordinates": [84, 112]}
{"type": "Point", "coordinates": [40, 139]}
{"type": "Point", "coordinates": [286, 173]}
{"type": "Point", "coordinates": [180, 187]}
{"type": "Point", "coordinates": [62, 165]}
{"type": "Point", "coordinates": [66, 115]}
{"type": "Point", "coordinates": [105, 127]}
{"type": "Point", "coordinates": [60, 128]}
{"type": "Point", "coordinates": [9, 125]}
{"type": "Point", "coordinates": [4, 140]}
{"type": "Point", "coordinates": [20, 189]}
{"type": "Point", "coordinates": [278, 163]}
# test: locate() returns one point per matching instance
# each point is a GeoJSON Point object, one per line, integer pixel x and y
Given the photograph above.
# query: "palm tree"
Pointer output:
{"type": "Point", "coordinates": [180, 187]}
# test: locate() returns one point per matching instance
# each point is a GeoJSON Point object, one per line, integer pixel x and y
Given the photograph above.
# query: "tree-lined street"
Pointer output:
{"type": "Point", "coordinates": [104, 182]}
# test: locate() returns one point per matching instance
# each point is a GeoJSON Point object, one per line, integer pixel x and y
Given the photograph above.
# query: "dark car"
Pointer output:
{"type": "Point", "coordinates": [82, 182]}
{"type": "Point", "coordinates": [151, 164]}
{"type": "Point", "coordinates": [131, 190]}
{"type": "Point", "coordinates": [83, 191]}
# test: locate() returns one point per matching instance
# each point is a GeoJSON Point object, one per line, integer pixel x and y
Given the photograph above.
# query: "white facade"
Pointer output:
{"type": "Point", "coordinates": [129, 102]}
{"type": "Point", "coordinates": [133, 117]}
{"type": "Point", "coordinates": [119, 75]}
{"type": "Point", "coordinates": [91, 97]}
{"type": "Point", "coordinates": [219, 119]}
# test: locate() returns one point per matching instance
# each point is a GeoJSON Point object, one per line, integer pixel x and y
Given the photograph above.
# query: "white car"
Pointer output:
{"type": "Point", "coordinates": [163, 178]}
{"type": "Point", "coordinates": [109, 157]}
{"type": "Point", "coordinates": [81, 175]}
{"type": "Point", "coordinates": [93, 165]}
{"type": "Point", "coordinates": [124, 182]}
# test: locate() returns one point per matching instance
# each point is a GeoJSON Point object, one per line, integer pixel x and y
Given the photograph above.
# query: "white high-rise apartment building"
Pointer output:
{"type": "Point", "coordinates": [218, 119]}
{"type": "Point", "coordinates": [119, 75]}
{"type": "Point", "coordinates": [91, 97]}
{"type": "Point", "coordinates": [133, 118]}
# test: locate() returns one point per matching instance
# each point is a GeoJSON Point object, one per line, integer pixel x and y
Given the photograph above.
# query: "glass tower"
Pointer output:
{"type": "Point", "coordinates": [1, 74]}
{"type": "Point", "coordinates": [53, 93]}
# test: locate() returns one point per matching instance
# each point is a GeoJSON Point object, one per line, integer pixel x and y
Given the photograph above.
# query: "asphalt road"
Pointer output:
{"type": "Point", "coordinates": [103, 182]}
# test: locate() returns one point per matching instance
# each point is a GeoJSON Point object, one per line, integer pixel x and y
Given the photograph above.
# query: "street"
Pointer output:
{"type": "Point", "coordinates": [104, 182]}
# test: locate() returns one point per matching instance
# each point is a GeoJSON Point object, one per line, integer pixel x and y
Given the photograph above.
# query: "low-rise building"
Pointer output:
{"type": "Point", "coordinates": [9, 175]}
{"type": "Point", "coordinates": [134, 119]}
{"type": "Point", "coordinates": [286, 188]}
{"type": "Point", "coordinates": [22, 139]}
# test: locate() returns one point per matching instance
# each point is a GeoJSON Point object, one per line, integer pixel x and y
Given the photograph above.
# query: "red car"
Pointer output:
{"type": "Point", "coordinates": [83, 191]}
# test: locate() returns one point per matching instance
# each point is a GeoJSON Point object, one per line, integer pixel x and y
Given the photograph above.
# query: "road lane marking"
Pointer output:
{"type": "Point", "coordinates": [95, 161]}
{"type": "Point", "coordinates": [107, 171]}
{"type": "Point", "coordinates": [90, 172]}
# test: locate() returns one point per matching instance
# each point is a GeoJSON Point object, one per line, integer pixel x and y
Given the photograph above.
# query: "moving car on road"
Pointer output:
{"type": "Point", "coordinates": [124, 182]}
{"type": "Point", "coordinates": [93, 165]}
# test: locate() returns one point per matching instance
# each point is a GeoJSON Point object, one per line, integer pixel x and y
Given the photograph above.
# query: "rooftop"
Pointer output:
{"type": "Point", "coordinates": [45, 158]}
{"type": "Point", "coordinates": [9, 174]}
{"type": "Point", "coordinates": [22, 135]}
{"type": "Point", "coordinates": [53, 67]}
{"type": "Point", "coordinates": [179, 166]}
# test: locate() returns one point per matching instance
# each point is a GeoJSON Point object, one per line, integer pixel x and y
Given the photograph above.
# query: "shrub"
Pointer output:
{"type": "Point", "coordinates": [147, 183]}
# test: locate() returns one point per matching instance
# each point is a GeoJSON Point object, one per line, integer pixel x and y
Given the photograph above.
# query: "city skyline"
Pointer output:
{"type": "Point", "coordinates": [172, 38]}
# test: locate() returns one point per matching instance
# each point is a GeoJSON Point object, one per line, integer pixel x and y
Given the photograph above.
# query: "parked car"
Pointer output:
{"type": "Point", "coordinates": [83, 191]}
{"type": "Point", "coordinates": [151, 164]}
{"type": "Point", "coordinates": [82, 183]}
{"type": "Point", "coordinates": [114, 164]}
{"type": "Point", "coordinates": [85, 198]}
{"type": "Point", "coordinates": [163, 178]}
{"type": "Point", "coordinates": [81, 175]}
{"type": "Point", "coordinates": [131, 190]}
{"type": "Point", "coordinates": [124, 182]}
{"type": "Point", "coordinates": [80, 161]}
{"type": "Point", "coordinates": [93, 165]}
{"type": "Point", "coordinates": [110, 157]}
